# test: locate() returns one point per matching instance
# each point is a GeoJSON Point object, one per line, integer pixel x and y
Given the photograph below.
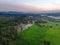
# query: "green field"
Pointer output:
{"type": "Point", "coordinates": [36, 34]}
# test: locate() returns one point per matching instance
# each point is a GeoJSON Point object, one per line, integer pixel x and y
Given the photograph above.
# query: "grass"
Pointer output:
{"type": "Point", "coordinates": [35, 34]}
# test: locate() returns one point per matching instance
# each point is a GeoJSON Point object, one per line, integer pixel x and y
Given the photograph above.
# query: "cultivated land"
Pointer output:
{"type": "Point", "coordinates": [38, 33]}
{"type": "Point", "coordinates": [26, 30]}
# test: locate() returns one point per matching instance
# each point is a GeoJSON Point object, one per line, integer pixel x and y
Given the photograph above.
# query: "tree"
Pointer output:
{"type": "Point", "coordinates": [7, 34]}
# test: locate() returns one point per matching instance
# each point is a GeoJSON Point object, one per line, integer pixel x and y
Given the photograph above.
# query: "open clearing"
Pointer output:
{"type": "Point", "coordinates": [36, 34]}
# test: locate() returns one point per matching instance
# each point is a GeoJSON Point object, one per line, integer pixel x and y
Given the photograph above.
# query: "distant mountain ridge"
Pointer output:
{"type": "Point", "coordinates": [28, 13]}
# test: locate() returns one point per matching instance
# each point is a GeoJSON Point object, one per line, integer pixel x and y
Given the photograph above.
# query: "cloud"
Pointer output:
{"type": "Point", "coordinates": [26, 8]}
{"type": "Point", "coordinates": [8, 7]}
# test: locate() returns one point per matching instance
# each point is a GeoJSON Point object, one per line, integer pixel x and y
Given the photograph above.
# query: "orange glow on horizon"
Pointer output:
{"type": "Point", "coordinates": [47, 7]}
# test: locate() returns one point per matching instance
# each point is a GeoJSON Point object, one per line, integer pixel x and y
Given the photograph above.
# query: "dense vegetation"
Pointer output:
{"type": "Point", "coordinates": [8, 31]}
{"type": "Point", "coordinates": [7, 34]}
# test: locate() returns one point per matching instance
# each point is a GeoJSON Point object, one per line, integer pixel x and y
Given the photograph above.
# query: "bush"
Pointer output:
{"type": "Point", "coordinates": [50, 26]}
{"type": "Point", "coordinates": [56, 24]}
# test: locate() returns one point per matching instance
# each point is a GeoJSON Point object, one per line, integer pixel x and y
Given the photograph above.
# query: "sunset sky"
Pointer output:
{"type": "Point", "coordinates": [30, 5]}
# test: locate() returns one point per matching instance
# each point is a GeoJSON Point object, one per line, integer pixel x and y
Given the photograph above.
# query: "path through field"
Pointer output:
{"type": "Point", "coordinates": [24, 27]}
{"type": "Point", "coordinates": [27, 26]}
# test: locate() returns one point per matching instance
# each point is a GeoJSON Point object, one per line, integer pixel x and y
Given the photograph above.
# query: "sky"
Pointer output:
{"type": "Point", "coordinates": [30, 5]}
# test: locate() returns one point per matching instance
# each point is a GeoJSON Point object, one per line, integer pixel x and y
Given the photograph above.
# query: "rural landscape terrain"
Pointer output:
{"type": "Point", "coordinates": [17, 28]}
